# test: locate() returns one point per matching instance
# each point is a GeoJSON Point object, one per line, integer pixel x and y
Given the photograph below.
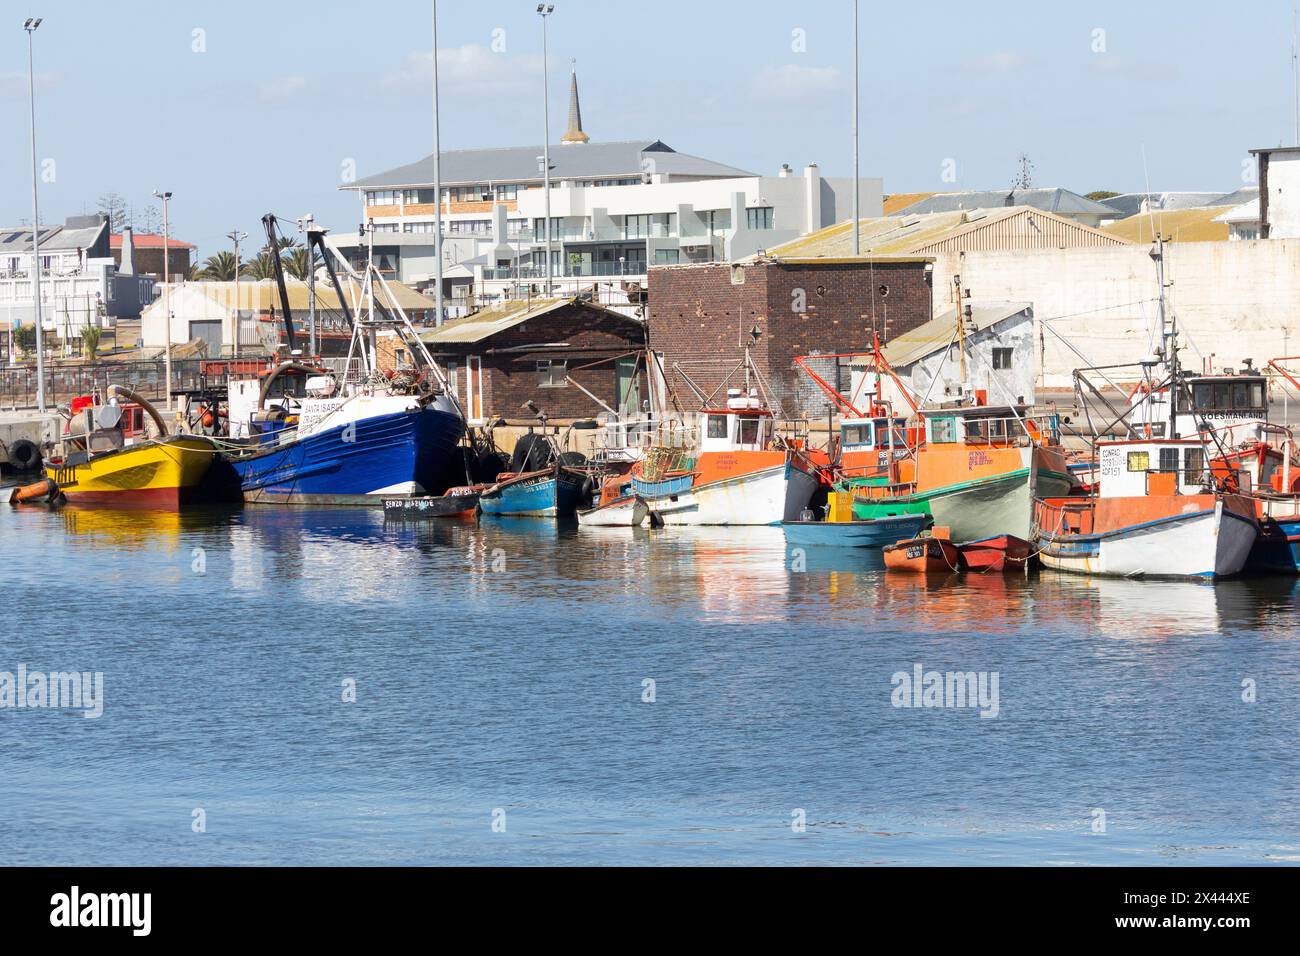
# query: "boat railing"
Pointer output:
{"type": "Point", "coordinates": [1056, 516]}
{"type": "Point", "coordinates": [1010, 431]}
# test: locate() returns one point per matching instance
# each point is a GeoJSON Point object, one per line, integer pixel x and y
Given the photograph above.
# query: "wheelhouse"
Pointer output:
{"type": "Point", "coordinates": [1154, 467]}
{"type": "Point", "coordinates": [985, 425]}
{"type": "Point", "coordinates": [744, 425]}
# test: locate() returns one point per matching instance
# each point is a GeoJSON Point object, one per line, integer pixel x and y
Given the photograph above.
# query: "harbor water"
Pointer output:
{"type": "Point", "coordinates": [320, 686]}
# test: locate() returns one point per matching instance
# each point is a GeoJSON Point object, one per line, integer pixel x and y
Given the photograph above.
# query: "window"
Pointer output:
{"type": "Point", "coordinates": [502, 192]}
{"type": "Point", "coordinates": [551, 373]}
{"type": "Point", "coordinates": [1139, 461]}
{"type": "Point", "coordinates": [386, 227]}
{"type": "Point", "coordinates": [717, 426]}
{"type": "Point", "coordinates": [427, 227]}
{"type": "Point", "coordinates": [759, 218]}
{"type": "Point", "coordinates": [1002, 358]}
{"type": "Point", "coordinates": [943, 430]}
{"type": "Point", "coordinates": [382, 197]}
{"type": "Point", "coordinates": [516, 227]}
{"type": "Point", "coordinates": [843, 376]}
{"type": "Point", "coordinates": [749, 429]}
{"type": "Point", "coordinates": [1194, 467]}
{"type": "Point", "coordinates": [636, 227]}
{"type": "Point", "coordinates": [667, 257]}
{"type": "Point", "coordinates": [855, 435]}
{"type": "Point", "coordinates": [1168, 459]}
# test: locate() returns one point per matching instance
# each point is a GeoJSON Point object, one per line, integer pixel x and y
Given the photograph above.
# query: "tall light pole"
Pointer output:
{"type": "Point", "coordinates": [236, 236]}
{"type": "Point", "coordinates": [857, 237]}
{"type": "Point", "coordinates": [544, 10]}
{"type": "Point", "coordinates": [437, 178]}
{"type": "Point", "coordinates": [167, 295]}
{"type": "Point", "coordinates": [30, 26]}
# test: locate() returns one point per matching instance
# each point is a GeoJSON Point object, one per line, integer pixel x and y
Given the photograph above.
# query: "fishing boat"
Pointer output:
{"type": "Point", "coordinates": [977, 473]}
{"type": "Point", "coordinates": [872, 533]}
{"type": "Point", "coordinates": [733, 473]}
{"type": "Point", "coordinates": [1004, 552]}
{"type": "Point", "coordinates": [615, 507]}
{"type": "Point", "coordinates": [1159, 512]}
{"type": "Point", "coordinates": [553, 492]}
{"type": "Point", "coordinates": [107, 459]}
{"type": "Point", "coordinates": [353, 439]}
{"type": "Point", "coordinates": [932, 554]}
{"type": "Point", "coordinates": [455, 503]}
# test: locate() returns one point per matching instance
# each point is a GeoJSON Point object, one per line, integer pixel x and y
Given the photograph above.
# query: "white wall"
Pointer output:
{"type": "Point", "coordinates": [1283, 195]}
{"type": "Point", "coordinates": [1235, 299]}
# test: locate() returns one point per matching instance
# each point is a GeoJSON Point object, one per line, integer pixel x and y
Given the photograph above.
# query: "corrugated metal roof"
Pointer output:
{"type": "Point", "coordinates": [897, 202]}
{"type": "Point", "coordinates": [935, 335]}
{"type": "Point", "coordinates": [972, 230]}
{"type": "Point", "coordinates": [263, 295]}
{"type": "Point", "coordinates": [1243, 195]}
{"type": "Point", "coordinates": [484, 324]}
{"type": "Point", "coordinates": [1180, 225]}
{"type": "Point", "coordinates": [1246, 212]}
{"type": "Point", "coordinates": [571, 160]}
{"type": "Point", "coordinates": [1057, 200]}
{"type": "Point", "coordinates": [1130, 204]}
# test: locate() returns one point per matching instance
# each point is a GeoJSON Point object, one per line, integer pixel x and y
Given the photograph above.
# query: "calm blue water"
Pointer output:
{"type": "Point", "coordinates": [500, 667]}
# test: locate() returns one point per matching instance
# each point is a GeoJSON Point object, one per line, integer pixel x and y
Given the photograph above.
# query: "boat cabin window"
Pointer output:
{"type": "Point", "coordinates": [890, 434]}
{"type": "Point", "coordinates": [1194, 472]}
{"type": "Point", "coordinates": [1139, 461]}
{"type": "Point", "coordinates": [1246, 395]}
{"type": "Point", "coordinates": [748, 430]}
{"type": "Point", "coordinates": [992, 428]}
{"type": "Point", "coordinates": [855, 435]}
{"type": "Point", "coordinates": [1168, 459]}
{"type": "Point", "coordinates": [943, 430]}
{"type": "Point", "coordinates": [717, 426]}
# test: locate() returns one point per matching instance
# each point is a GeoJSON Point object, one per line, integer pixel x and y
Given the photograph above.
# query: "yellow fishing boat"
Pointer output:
{"type": "Point", "coordinates": [160, 473]}
{"type": "Point", "coordinates": [108, 461]}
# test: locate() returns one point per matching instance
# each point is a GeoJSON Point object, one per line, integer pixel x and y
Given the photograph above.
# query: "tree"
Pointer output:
{"type": "Point", "coordinates": [299, 261]}
{"type": "Point", "coordinates": [1024, 172]}
{"type": "Point", "coordinates": [150, 220]}
{"type": "Point", "coordinates": [259, 267]}
{"type": "Point", "coordinates": [90, 336]}
{"type": "Point", "coordinates": [114, 207]}
{"type": "Point", "coordinates": [25, 339]}
{"type": "Point", "coordinates": [220, 267]}
{"type": "Point", "coordinates": [1099, 194]}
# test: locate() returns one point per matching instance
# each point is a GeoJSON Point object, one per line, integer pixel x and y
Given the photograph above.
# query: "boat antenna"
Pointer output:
{"type": "Point", "coordinates": [1168, 334]}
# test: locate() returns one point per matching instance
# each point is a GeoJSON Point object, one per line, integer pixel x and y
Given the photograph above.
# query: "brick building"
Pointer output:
{"type": "Point", "coordinates": [701, 316]}
{"type": "Point", "coordinates": [146, 253]}
{"type": "Point", "coordinates": [499, 358]}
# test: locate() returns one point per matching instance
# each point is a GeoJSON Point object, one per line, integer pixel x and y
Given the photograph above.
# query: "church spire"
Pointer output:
{"type": "Point", "coordinates": [574, 133]}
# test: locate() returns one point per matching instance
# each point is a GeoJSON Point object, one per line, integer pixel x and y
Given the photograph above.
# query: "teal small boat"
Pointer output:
{"type": "Point", "coordinates": [874, 533]}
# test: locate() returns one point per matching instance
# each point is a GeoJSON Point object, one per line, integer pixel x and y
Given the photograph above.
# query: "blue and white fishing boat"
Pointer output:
{"type": "Point", "coordinates": [330, 439]}
{"type": "Point", "coordinates": [872, 533]}
{"type": "Point", "coordinates": [555, 492]}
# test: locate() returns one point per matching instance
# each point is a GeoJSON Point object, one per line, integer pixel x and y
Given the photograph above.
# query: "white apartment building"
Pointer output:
{"type": "Point", "coordinates": [616, 209]}
{"type": "Point", "coordinates": [80, 283]}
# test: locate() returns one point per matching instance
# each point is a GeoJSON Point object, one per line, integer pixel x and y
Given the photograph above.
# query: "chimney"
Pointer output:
{"type": "Point", "coordinates": [127, 268]}
{"type": "Point", "coordinates": [574, 133]}
{"type": "Point", "coordinates": [785, 171]}
{"type": "Point", "coordinates": [812, 198]}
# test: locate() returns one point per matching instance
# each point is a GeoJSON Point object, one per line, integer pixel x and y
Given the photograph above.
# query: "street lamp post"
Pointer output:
{"type": "Point", "coordinates": [857, 240]}
{"type": "Point", "coordinates": [167, 295]}
{"type": "Point", "coordinates": [437, 179]}
{"type": "Point", "coordinates": [544, 10]}
{"type": "Point", "coordinates": [236, 236]}
{"type": "Point", "coordinates": [30, 26]}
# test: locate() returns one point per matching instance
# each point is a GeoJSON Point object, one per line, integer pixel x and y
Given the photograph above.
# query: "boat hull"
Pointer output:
{"type": "Point", "coordinates": [543, 494]}
{"type": "Point", "coordinates": [766, 496]}
{"type": "Point", "coordinates": [1003, 504]}
{"type": "Point", "coordinates": [361, 462]}
{"type": "Point", "coordinates": [1277, 550]}
{"type": "Point", "coordinates": [923, 556]}
{"type": "Point", "coordinates": [629, 512]}
{"type": "Point", "coordinates": [1205, 542]}
{"type": "Point", "coordinates": [995, 555]}
{"type": "Point", "coordinates": [876, 533]}
{"type": "Point", "coordinates": [163, 473]}
{"type": "Point", "coordinates": [457, 503]}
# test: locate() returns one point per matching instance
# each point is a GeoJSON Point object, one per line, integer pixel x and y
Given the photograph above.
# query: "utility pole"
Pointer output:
{"type": "Point", "coordinates": [544, 10]}
{"type": "Point", "coordinates": [437, 179]}
{"type": "Point", "coordinates": [857, 229]}
{"type": "Point", "coordinates": [167, 294]}
{"type": "Point", "coordinates": [30, 26]}
{"type": "Point", "coordinates": [235, 236]}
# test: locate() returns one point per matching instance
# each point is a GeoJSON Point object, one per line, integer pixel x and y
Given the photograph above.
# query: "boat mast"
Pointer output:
{"type": "Point", "coordinates": [1168, 335]}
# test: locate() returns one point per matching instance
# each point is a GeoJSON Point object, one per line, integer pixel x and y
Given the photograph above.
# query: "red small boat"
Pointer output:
{"type": "Point", "coordinates": [1003, 552]}
{"type": "Point", "coordinates": [933, 554]}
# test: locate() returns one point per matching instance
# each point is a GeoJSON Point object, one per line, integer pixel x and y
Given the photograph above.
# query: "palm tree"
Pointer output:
{"type": "Point", "coordinates": [90, 335]}
{"type": "Point", "coordinates": [259, 268]}
{"type": "Point", "coordinates": [299, 261]}
{"type": "Point", "coordinates": [220, 267]}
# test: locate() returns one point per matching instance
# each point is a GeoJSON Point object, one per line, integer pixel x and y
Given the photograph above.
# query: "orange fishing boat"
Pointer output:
{"type": "Point", "coordinates": [931, 554]}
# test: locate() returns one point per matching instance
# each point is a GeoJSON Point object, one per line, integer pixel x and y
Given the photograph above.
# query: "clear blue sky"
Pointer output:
{"type": "Point", "coordinates": [283, 95]}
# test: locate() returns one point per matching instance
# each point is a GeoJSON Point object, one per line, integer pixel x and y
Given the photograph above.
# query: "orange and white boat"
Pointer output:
{"type": "Point", "coordinates": [1160, 512]}
{"type": "Point", "coordinates": [735, 472]}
